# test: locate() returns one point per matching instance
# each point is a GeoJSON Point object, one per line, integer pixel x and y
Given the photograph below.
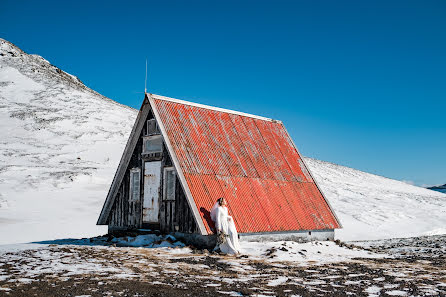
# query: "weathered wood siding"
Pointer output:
{"type": "Point", "coordinates": [118, 217]}
{"type": "Point", "coordinates": [174, 216]}
{"type": "Point", "coordinates": [126, 214]}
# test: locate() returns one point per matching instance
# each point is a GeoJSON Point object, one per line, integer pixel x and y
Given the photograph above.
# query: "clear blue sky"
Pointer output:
{"type": "Point", "coordinates": [358, 83]}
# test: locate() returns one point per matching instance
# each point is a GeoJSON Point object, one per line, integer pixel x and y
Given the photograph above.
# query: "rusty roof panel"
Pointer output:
{"type": "Point", "coordinates": [251, 161]}
{"type": "Point", "coordinates": [290, 154]}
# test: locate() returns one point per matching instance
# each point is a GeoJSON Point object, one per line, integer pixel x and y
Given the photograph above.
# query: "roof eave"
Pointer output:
{"type": "Point", "coordinates": [212, 108]}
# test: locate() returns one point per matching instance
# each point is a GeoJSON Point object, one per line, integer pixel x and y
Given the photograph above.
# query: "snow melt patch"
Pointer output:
{"type": "Point", "coordinates": [278, 281]}
{"type": "Point", "coordinates": [438, 231]}
{"type": "Point", "coordinates": [314, 252]}
{"type": "Point", "coordinates": [149, 240]}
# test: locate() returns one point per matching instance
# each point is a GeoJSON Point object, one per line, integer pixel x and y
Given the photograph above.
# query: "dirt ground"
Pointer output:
{"type": "Point", "coordinates": [411, 267]}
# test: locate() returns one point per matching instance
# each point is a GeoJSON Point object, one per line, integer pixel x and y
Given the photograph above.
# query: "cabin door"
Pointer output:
{"type": "Point", "coordinates": [152, 181]}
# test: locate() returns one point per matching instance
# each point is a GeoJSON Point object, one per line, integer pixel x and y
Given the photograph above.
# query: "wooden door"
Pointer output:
{"type": "Point", "coordinates": [152, 181]}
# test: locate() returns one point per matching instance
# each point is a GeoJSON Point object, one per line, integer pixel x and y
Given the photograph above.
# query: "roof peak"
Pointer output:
{"type": "Point", "coordinates": [155, 96]}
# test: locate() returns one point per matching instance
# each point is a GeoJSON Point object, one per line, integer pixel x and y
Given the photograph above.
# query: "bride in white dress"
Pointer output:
{"type": "Point", "coordinates": [225, 225]}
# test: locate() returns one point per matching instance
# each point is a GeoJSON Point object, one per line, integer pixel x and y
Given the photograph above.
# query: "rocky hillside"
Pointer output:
{"type": "Point", "coordinates": [59, 145]}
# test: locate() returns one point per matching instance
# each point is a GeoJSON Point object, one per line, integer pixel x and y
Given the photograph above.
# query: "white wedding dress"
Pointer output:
{"type": "Point", "coordinates": [225, 223]}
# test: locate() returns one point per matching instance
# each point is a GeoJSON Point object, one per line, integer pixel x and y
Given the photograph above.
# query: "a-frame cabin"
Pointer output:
{"type": "Point", "coordinates": [181, 157]}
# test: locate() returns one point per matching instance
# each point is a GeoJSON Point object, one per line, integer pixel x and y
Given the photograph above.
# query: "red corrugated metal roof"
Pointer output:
{"type": "Point", "coordinates": [251, 161]}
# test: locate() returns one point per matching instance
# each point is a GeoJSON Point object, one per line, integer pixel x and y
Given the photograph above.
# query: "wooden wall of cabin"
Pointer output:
{"type": "Point", "coordinates": [126, 214]}
{"type": "Point", "coordinates": [174, 215]}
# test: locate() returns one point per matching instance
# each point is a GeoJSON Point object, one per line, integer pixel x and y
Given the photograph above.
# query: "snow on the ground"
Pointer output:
{"type": "Point", "coordinates": [309, 253]}
{"type": "Point", "coordinates": [303, 253]}
{"type": "Point", "coordinates": [278, 251]}
{"type": "Point", "coordinates": [67, 257]}
{"type": "Point", "coordinates": [60, 144]}
{"type": "Point", "coordinates": [143, 240]}
{"type": "Point", "coordinates": [129, 257]}
{"type": "Point", "coordinates": [374, 207]}
{"type": "Point", "coordinates": [99, 270]}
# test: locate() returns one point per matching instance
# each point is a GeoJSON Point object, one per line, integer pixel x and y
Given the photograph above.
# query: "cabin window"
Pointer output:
{"type": "Point", "coordinates": [152, 144]}
{"type": "Point", "coordinates": [152, 127]}
{"type": "Point", "coordinates": [170, 179]}
{"type": "Point", "coordinates": [135, 184]}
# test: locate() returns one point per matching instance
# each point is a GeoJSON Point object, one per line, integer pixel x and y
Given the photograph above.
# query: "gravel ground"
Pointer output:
{"type": "Point", "coordinates": [410, 267]}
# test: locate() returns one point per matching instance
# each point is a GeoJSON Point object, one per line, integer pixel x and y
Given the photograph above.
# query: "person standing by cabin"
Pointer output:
{"type": "Point", "coordinates": [227, 240]}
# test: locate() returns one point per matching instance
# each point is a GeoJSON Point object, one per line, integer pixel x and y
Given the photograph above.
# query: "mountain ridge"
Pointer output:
{"type": "Point", "coordinates": [60, 142]}
{"type": "Point", "coordinates": [439, 188]}
{"type": "Point", "coordinates": [41, 66]}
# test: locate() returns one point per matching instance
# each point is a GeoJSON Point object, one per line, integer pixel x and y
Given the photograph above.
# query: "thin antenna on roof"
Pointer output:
{"type": "Point", "coordinates": [145, 83]}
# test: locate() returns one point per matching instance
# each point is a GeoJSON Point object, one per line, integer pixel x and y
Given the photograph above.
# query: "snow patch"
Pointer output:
{"type": "Point", "coordinates": [314, 252]}
{"type": "Point", "coordinates": [438, 231]}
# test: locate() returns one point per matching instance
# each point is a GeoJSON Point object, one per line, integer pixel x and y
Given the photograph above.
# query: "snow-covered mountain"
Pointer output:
{"type": "Point", "coordinates": [60, 144]}
{"type": "Point", "coordinates": [374, 207]}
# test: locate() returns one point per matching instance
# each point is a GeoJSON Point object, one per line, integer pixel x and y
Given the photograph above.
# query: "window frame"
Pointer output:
{"type": "Point", "coordinates": [166, 169]}
{"type": "Point", "coordinates": [132, 183]}
{"type": "Point", "coordinates": [152, 137]}
{"type": "Point", "coordinates": [157, 130]}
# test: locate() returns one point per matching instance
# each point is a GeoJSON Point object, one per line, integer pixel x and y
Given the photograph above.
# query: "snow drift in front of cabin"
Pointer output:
{"type": "Point", "coordinates": [61, 143]}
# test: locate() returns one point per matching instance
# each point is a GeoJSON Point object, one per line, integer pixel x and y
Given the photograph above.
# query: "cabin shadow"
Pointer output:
{"type": "Point", "coordinates": [75, 241]}
{"type": "Point", "coordinates": [147, 239]}
{"type": "Point", "coordinates": [207, 217]}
